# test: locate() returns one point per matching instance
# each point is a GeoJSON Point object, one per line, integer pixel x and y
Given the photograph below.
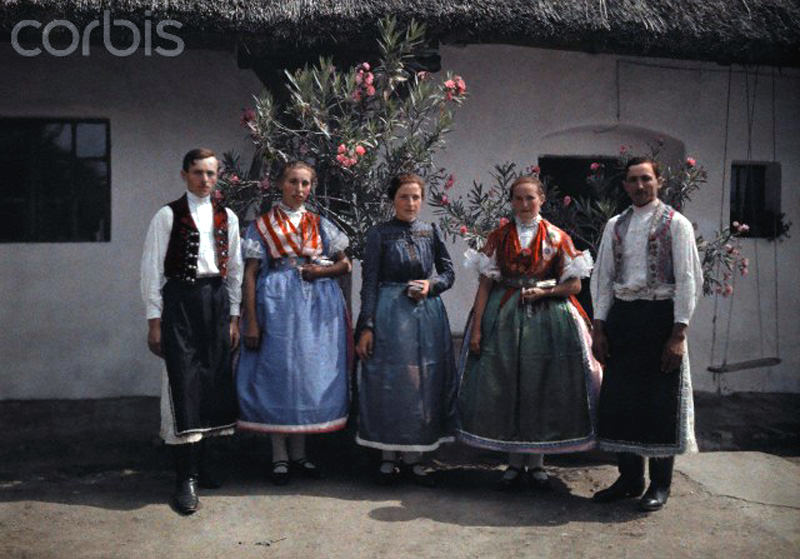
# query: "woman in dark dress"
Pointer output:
{"type": "Point", "coordinates": [407, 383]}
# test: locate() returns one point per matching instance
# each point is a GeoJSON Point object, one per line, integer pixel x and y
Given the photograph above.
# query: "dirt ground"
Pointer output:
{"type": "Point", "coordinates": [90, 479]}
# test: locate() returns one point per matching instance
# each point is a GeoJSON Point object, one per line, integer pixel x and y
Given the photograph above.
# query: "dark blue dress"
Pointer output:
{"type": "Point", "coordinates": [407, 389]}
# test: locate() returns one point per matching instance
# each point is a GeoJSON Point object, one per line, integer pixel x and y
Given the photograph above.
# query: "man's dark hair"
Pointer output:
{"type": "Point", "coordinates": [194, 155]}
{"type": "Point", "coordinates": [644, 159]}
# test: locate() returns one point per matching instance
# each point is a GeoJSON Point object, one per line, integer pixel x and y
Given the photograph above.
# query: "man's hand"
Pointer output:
{"type": "Point", "coordinates": [154, 336]}
{"type": "Point", "coordinates": [475, 339]}
{"type": "Point", "coordinates": [599, 342]}
{"type": "Point", "coordinates": [364, 346]}
{"type": "Point", "coordinates": [674, 349]}
{"type": "Point", "coordinates": [252, 334]}
{"type": "Point", "coordinates": [234, 332]}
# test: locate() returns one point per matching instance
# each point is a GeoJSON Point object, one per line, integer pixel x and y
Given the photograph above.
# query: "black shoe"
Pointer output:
{"type": "Point", "coordinates": [620, 489]}
{"type": "Point", "coordinates": [307, 468]}
{"type": "Point", "coordinates": [421, 476]}
{"type": "Point", "coordinates": [280, 477]}
{"type": "Point", "coordinates": [654, 499]}
{"type": "Point", "coordinates": [538, 482]}
{"type": "Point", "coordinates": [185, 497]}
{"type": "Point", "coordinates": [390, 477]}
{"type": "Point", "coordinates": [506, 483]}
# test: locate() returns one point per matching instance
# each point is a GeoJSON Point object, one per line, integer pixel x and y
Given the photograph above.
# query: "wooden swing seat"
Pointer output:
{"type": "Point", "coordinates": [742, 365]}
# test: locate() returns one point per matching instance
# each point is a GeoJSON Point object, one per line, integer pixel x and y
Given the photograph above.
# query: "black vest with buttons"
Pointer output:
{"type": "Point", "coordinates": [180, 262]}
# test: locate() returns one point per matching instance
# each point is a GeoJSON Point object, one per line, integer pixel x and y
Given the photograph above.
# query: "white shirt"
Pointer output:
{"type": "Point", "coordinates": [527, 231]}
{"type": "Point", "coordinates": [155, 250]}
{"type": "Point", "coordinates": [633, 285]}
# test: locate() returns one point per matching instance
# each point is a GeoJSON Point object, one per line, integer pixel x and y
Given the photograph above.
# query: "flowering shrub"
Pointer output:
{"type": "Point", "coordinates": [483, 209]}
{"type": "Point", "coordinates": [357, 127]}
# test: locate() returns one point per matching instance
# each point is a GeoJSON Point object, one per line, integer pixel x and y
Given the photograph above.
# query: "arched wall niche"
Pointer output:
{"type": "Point", "coordinates": [608, 140]}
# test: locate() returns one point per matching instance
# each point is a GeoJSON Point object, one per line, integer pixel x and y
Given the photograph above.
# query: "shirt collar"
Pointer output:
{"type": "Point", "coordinates": [290, 211]}
{"type": "Point", "coordinates": [197, 200]}
{"type": "Point", "coordinates": [530, 225]}
{"type": "Point", "coordinates": [647, 208]}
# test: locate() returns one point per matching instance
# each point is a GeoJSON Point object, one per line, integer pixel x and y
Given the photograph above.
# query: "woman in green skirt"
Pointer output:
{"type": "Point", "coordinates": [529, 382]}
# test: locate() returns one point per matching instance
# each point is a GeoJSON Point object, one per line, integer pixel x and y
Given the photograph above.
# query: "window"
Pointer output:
{"type": "Point", "coordinates": [55, 183]}
{"type": "Point", "coordinates": [756, 196]}
{"type": "Point", "coordinates": [569, 172]}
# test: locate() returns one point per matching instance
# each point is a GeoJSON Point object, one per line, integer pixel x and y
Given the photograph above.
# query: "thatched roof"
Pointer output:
{"type": "Point", "coordinates": [727, 31]}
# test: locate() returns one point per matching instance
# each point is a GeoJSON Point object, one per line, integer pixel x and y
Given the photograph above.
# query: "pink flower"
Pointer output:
{"type": "Point", "coordinates": [535, 170]}
{"type": "Point", "coordinates": [745, 262]}
{"type": "Point", "coordinates": [341, 158]}
{"type": "Point", "coordinates": [370, 90]}
{"type": "Point", "coordinates": [691, 162]}
{"type": "Point", "coordinates": [359, 77]}
{"type": "Point", "coordinates": [463, 229]}
{"type": "Point", "coordinates": [461, 85]}
{"type": "Point", "coordinates": [728, 248]}
{"type": "Point", "coordinates": [357, 95]}
{"type": "Point", "coordinates": [448, 96]}
{"type": "Point", "coordinates": [369, 78]}
{"type": "Point", "coordinates": [623, 149]}
{"type": "Point", "coordinates": [341, 149]}
{"type": "Point", "coordinates": [218, 195]}
{"type": "Point", "coordinates": [366, 66]}
{"type": "Point", "coordinates": [567, 201]}
{"type": "Point", "coordinates": [735, 224]}
{"type": "Point", "coordinates": [423, 75]}
{"type": "Point", "coordinates": [595, 166]}
{"type": "Point", "coordinates": [234, 179]}
{"type": "Point", "coordinates": [248, 115]}
{"type": "Point", "coordinates": [445, 200]}
{"type": "Point", "coordinates": [265, 183]}
{"type": "Point", "coordinates": [503, 221]}
{"type": "Point", "coordinates": [743, 271]}
{"type": "Point", "coordinates": [450, 84]}
{"type": "Point", "coordinates": [728, 290]}
{"type": "Point", "coordinates": [360, 150]}
{"type": "Point", "coordinates": [451, 180]}
{"type": "Point", "coordinates": [744, 228]}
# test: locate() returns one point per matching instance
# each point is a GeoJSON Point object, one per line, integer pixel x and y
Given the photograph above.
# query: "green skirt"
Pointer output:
{"type": "Point", "coordinates": [534, 386]}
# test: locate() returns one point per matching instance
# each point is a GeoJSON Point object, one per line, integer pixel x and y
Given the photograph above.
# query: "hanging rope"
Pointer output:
{"type": "Point", "coordinates": [722, 206]}
{"type": "Point", "coordinates": [775, 230]}
{"type": "Point", "coordinates": [750, 106]}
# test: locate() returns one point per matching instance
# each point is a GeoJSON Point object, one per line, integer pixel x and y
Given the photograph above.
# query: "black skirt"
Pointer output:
{"type": "Point", "coordinates": [642, 409]}
{"type": "Point", "coordinates": [195, 339]}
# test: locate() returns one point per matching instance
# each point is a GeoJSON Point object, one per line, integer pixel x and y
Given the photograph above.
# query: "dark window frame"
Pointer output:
{"type": "Point", "coordinates": [755, 196]}
{"type": "Point", "coordinates": [32, 201]}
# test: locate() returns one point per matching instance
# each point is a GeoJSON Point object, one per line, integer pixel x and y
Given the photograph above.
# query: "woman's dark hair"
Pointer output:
{"type": "Point", "coordinates": [401, 179]}
{"type": "Point", "coordinates": [194, 155]}
{"type": "Point", "coordinates": [644, 159]}
{"type": "Point", "coordinates": [526, 179]}
{"type": "Point", "coordinates": [297, 164]}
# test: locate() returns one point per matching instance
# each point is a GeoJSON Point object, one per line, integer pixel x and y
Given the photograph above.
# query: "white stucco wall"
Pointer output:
{"type": "Point", "coordinates": [521, 102]}
{"type": "Point", "coordinates": [73, 318]}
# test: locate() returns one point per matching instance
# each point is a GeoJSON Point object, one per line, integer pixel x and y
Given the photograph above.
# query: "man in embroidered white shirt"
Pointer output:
{"type": "Point", "coordinates": [644, 287]}
{"type": "Point", "coordinates": [191, 286]}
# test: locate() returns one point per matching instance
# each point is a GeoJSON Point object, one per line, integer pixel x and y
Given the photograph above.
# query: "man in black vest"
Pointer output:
{"type": "Point", "coordinates": [191, 287]}
{"type": "Point", "coordinates": [644, 287]}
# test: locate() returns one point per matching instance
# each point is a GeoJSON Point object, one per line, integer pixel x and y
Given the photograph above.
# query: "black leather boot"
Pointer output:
{"type": "Point", "coordinates": [211, 474]}
{"type": "Point", "coordinates": [185, 497]}
{"type": "Point", "coordinates": [630, 482]}
{"type": "Point", "coordinates": [660, 482]}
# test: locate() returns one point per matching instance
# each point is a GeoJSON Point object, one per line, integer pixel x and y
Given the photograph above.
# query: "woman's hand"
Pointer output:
{"type": "Point", "coordinates": [418, 293]}
{"type": "Point", "coordinates": [252, 335]}
{"type": "Point", "coordinates": [364, 345]}
{"type": "Point", "coordinates": [532, 294]}
{"type": "Point", "coordinates": [310, 272]}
